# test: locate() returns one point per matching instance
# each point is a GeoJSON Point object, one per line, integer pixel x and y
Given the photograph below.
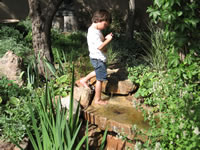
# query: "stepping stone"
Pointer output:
{"type": "Point", "coordinates": [117, 83]}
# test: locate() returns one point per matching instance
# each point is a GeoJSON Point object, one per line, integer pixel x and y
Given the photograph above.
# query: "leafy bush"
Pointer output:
{"type": "Point", "coordinates": [170, 85]}
{"type": "Point", "coordinates": [11, 44]}
{"type": "Point", "coordinates": [175, 95]}
{"type": "Point", "coordinates": [14, 115]}
{"type": "Point", "coordinates": [25, 27]}
{"type": "Point", "coordinates": [180, 21]}
{"type": "Point", "coordinates": [14, 111]}
{"type": "Point", "coordinates": [10, 89]}
{"type": "Point", "coordinates": [73, 45]}
{"type": "Point", "coordinates": [25, 24]}
{"type": "Point", "coordinates": [127, 52]}
{"type": "Point", "coordinates": [12, 39]}
{"type": "Point", "coordinates": [8, 32]}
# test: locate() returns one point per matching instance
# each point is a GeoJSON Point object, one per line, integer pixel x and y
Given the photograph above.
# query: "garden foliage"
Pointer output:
{"type": "Point", "coordinates": [180, 21]}
{"type": "Point", "coordinates": [167, 83]}
{"type": "Point", "coordinates": [170, 83]}
{"type": "Point", "coordinates": [13, 39]}
{"type": "Point", "coordinates": [14, 110]}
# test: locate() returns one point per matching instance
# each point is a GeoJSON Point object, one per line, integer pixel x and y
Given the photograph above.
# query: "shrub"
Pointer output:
{"type": "Point", "coordinates": [12, 39]}
{"type": "Point", "coordinates": [11, 44]}
{"type": "Point", "coordinates": [8, 32]}
{"type": "Point", "coordinates": [180, 21]}
{"type": "Point", "coordinates": [175, 96]}
{"type": "Point", "coordinates": [73, 45]}
{"type": "Point", "coordinates": [14, 111]}
{"type": "Point", "coordinates": [25, 28]}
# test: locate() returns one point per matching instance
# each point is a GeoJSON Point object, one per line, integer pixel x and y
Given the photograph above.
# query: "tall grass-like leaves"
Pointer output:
{"type": "Point", "coordinates": [87, 140]}
{"type": "Point", "coordinates": [61, 70]}
{"type": "Point", "coordinates": [103, 140]}
{"type": "Point", "coordinates": [52, 130]}
{"type": "Point", "coordinates": [155, 49]}
{"type": "Point", "coordinates": [112, 56]}
{"type": "Point", "coordinates": [71, 101]}
{"type": "Point", "coordinates": [50, 67]}
{"type": "Point", "coordinates": [32, 73]}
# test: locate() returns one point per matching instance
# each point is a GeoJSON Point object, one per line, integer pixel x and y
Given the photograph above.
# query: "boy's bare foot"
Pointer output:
{"type": "Point", "coordinates": [83, 83]}
{"type": "Point", "coordinates": [100, 102]}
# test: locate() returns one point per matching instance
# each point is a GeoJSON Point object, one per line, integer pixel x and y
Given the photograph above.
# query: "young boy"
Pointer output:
{"type": "Point", "coordinates": [97, 47]}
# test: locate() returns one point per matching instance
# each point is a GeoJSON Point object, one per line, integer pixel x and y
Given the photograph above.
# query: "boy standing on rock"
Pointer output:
{"type": "Point", "coordinates": [97, 47]}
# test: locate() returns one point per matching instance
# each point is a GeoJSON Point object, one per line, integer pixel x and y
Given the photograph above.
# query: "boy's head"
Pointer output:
{"type": "Point", "coordinates": [102, 15]}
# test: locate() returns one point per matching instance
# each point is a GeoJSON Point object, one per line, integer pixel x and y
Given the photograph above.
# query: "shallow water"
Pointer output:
{"type": "Point", "coordinates": [120, 110]}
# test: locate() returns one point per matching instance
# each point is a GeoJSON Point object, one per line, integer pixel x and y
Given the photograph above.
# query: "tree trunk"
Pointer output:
{"type": "Point", "coordinates": [130, 19]}
{"type": "Point", "coordinates": [41, 29]}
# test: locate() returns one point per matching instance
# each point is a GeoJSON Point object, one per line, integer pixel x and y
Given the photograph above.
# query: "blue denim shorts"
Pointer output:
{"type": "Point", "coordinates": [100, 69]}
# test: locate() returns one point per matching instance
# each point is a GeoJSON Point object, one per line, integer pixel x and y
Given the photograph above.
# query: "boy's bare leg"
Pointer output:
{"type": "Point", "coordinates": [84, 80]}
{"type": "Point", "coordinates": [97, 98]}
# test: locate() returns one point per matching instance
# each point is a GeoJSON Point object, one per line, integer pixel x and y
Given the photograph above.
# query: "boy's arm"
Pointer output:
{"type": "Point", "coordinates": [107, 40]}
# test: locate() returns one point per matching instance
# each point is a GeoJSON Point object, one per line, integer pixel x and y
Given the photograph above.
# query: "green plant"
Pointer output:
{"type": "Point", "coordinates": [62, 62]}
{"type": "Point", "coordinates": [56, 131]}
{"type": "Point", "coordinates": [8, 32]}
{"type": "Point", "coordinates": [61, 85]}
{"type": "Point", "coordinates": [112, 56]}
{"type": "Point", "coordinates": [25, 28]}
{"type": "Point", "coordinates": [10, 89]}
{"type": "Point", "coordinates": [25, 24]}
{"type": "Point", "coordinates": [180, 21]}
{"type": "Point", "coordinates": [61, 73]}
{"type": "Point", "coordinates": [14, 110]}
{"type": "Point", "coordinates": [33, 77]}
{"type": "Point", "coordinates": [12, 39]}
{"type": "Point", "coordinates": [71, 45]}
{"type": "Point", "coordinates": [143, 76]}
{"type": "Point", "coordinates": [126, 52]}
{"type": "Point", "coordinates": [103, 140]}
{"type": "Point", "coordinates": [155, 48]}
{"type": "Point", "coordinates": [174, 91]}
{"type": "Point", "coordinates": [11, 44]}
{"type": "Point", "coordinates": [175, 95]}
{"type": "Point", "coordinates": [14, 115]}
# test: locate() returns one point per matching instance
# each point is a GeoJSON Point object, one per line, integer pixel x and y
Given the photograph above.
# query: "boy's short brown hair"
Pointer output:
{"type": "Point", "coordinates": [101, 15]}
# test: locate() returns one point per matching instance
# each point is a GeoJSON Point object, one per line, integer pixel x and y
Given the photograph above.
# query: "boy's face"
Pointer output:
{"type": "Point", "coordinates": [103, 25]}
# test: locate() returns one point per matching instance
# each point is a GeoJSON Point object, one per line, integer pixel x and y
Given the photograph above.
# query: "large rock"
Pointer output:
{"type": "Point", "coordinates": [10, 146]}
{"type": "Point", "coordinates": [84, 95]}
{"type": "Point", "coordinates": [65, 103]}
{"type": "Point", "coordinates": [116, 83]}
{"type": "Point", "coordinates": [10, 67]}
{"type": "Point", "coordinates": [6, 145]}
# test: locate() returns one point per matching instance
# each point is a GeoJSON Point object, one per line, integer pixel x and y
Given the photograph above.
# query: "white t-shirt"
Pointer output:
{"type": "Point", "coordinates": [95, 39]}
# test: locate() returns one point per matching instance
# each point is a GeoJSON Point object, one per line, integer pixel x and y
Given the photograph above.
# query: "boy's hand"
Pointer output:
{"type": "Point", "coordinates": [109, 36]}
{"type": "Point", "coordinates": [107, 40]}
